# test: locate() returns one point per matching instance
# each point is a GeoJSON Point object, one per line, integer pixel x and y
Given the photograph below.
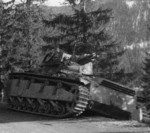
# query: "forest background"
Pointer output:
{"type": "Point", "coordinates": [116, 31]}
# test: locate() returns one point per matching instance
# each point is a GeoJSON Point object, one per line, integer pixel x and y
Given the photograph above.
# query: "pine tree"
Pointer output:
{"type": "Point", "coordinates": [6, 32]}
{"type": "Point", "coordinates": [20, 35]}
{"type": "Point", "coordinates": [146, 70]}
{"type": "Point", "coordinates": [85, 32]}
{"type": "Point", "coordinates": [6, 35]}
{"type": "Point", "coordinates": [27, 32]}
{"type": "Point", "coordinates": [77, 32]}
{"type": "Point", "coordinates": [146, 75]}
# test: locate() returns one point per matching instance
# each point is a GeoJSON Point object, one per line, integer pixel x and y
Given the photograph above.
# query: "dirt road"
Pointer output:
{"type": "Point", "coordinates": [17, 122]}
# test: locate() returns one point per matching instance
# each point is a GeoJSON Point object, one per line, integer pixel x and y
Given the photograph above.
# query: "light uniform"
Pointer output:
{"type": "Point", "coordinates": [86, 69]}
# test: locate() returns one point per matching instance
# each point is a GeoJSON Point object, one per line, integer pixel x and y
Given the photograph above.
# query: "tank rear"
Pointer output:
{"type": "Point", "coordinates": [113, 100]}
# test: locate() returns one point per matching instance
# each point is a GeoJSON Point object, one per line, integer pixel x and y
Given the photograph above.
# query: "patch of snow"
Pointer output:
{"type": "Point", "coordinates": [145, 15]}
{"type": "Point", "coordinates": [142, 44]}
{"type": "Point", "coordinates": [130, 3]}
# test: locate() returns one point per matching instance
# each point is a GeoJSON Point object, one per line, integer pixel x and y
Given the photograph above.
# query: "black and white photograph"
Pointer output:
{"type": "Point", "coordinates": [74, 66]}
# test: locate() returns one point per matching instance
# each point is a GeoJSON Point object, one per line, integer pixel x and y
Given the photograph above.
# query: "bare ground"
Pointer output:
{"type": "Point", "coordinates": [18, 122]}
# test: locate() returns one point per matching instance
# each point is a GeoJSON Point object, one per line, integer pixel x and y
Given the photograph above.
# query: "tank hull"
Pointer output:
{"type": "Point", "coordinates": [51, 96]}
{"type": "Point", "coordinates": [62, 97]}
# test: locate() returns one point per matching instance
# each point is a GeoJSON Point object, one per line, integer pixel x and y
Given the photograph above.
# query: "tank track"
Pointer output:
{"type": "Point", "coordinates": [47, 107]}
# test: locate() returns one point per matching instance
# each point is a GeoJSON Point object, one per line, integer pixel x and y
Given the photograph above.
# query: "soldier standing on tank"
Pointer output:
{"type": "Point", "coordinates": [53, 61]}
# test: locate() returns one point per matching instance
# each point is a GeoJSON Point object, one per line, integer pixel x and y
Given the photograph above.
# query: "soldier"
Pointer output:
{"type": "Point", "coordinates": [53, 61]}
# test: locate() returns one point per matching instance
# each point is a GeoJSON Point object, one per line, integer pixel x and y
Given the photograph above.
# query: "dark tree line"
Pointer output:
{"type": "Point", "coordinates": [21, 34]}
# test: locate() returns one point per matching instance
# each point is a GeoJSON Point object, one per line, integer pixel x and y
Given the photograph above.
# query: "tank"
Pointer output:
{"type": "Point", "coordinates": [51, 90]}
{"type": "Point", "coordinates": [62, 89]}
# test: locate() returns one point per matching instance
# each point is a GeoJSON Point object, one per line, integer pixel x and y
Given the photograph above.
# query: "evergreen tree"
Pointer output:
{"type": "Point", "coordinates": [132, 62]}
{"type": "Point", "coordinates": [27, 35]}
{"type": "Point", "coordinates": [25, 42]}
{"type": "Point", "coordinates": [21, 31]}
{"type": "Point", "coordinates": [6, 32]}
{"type": "Point", "coordinates": [146, 72]}
{"type": "Point", "coordinates": [86, 32]}
{"type": "Point", "coordinates": [6, 35]}
{"type": "Point", "coordinates": [77, 32]}
{"type": "Point", "coordinates": [146, 75]}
